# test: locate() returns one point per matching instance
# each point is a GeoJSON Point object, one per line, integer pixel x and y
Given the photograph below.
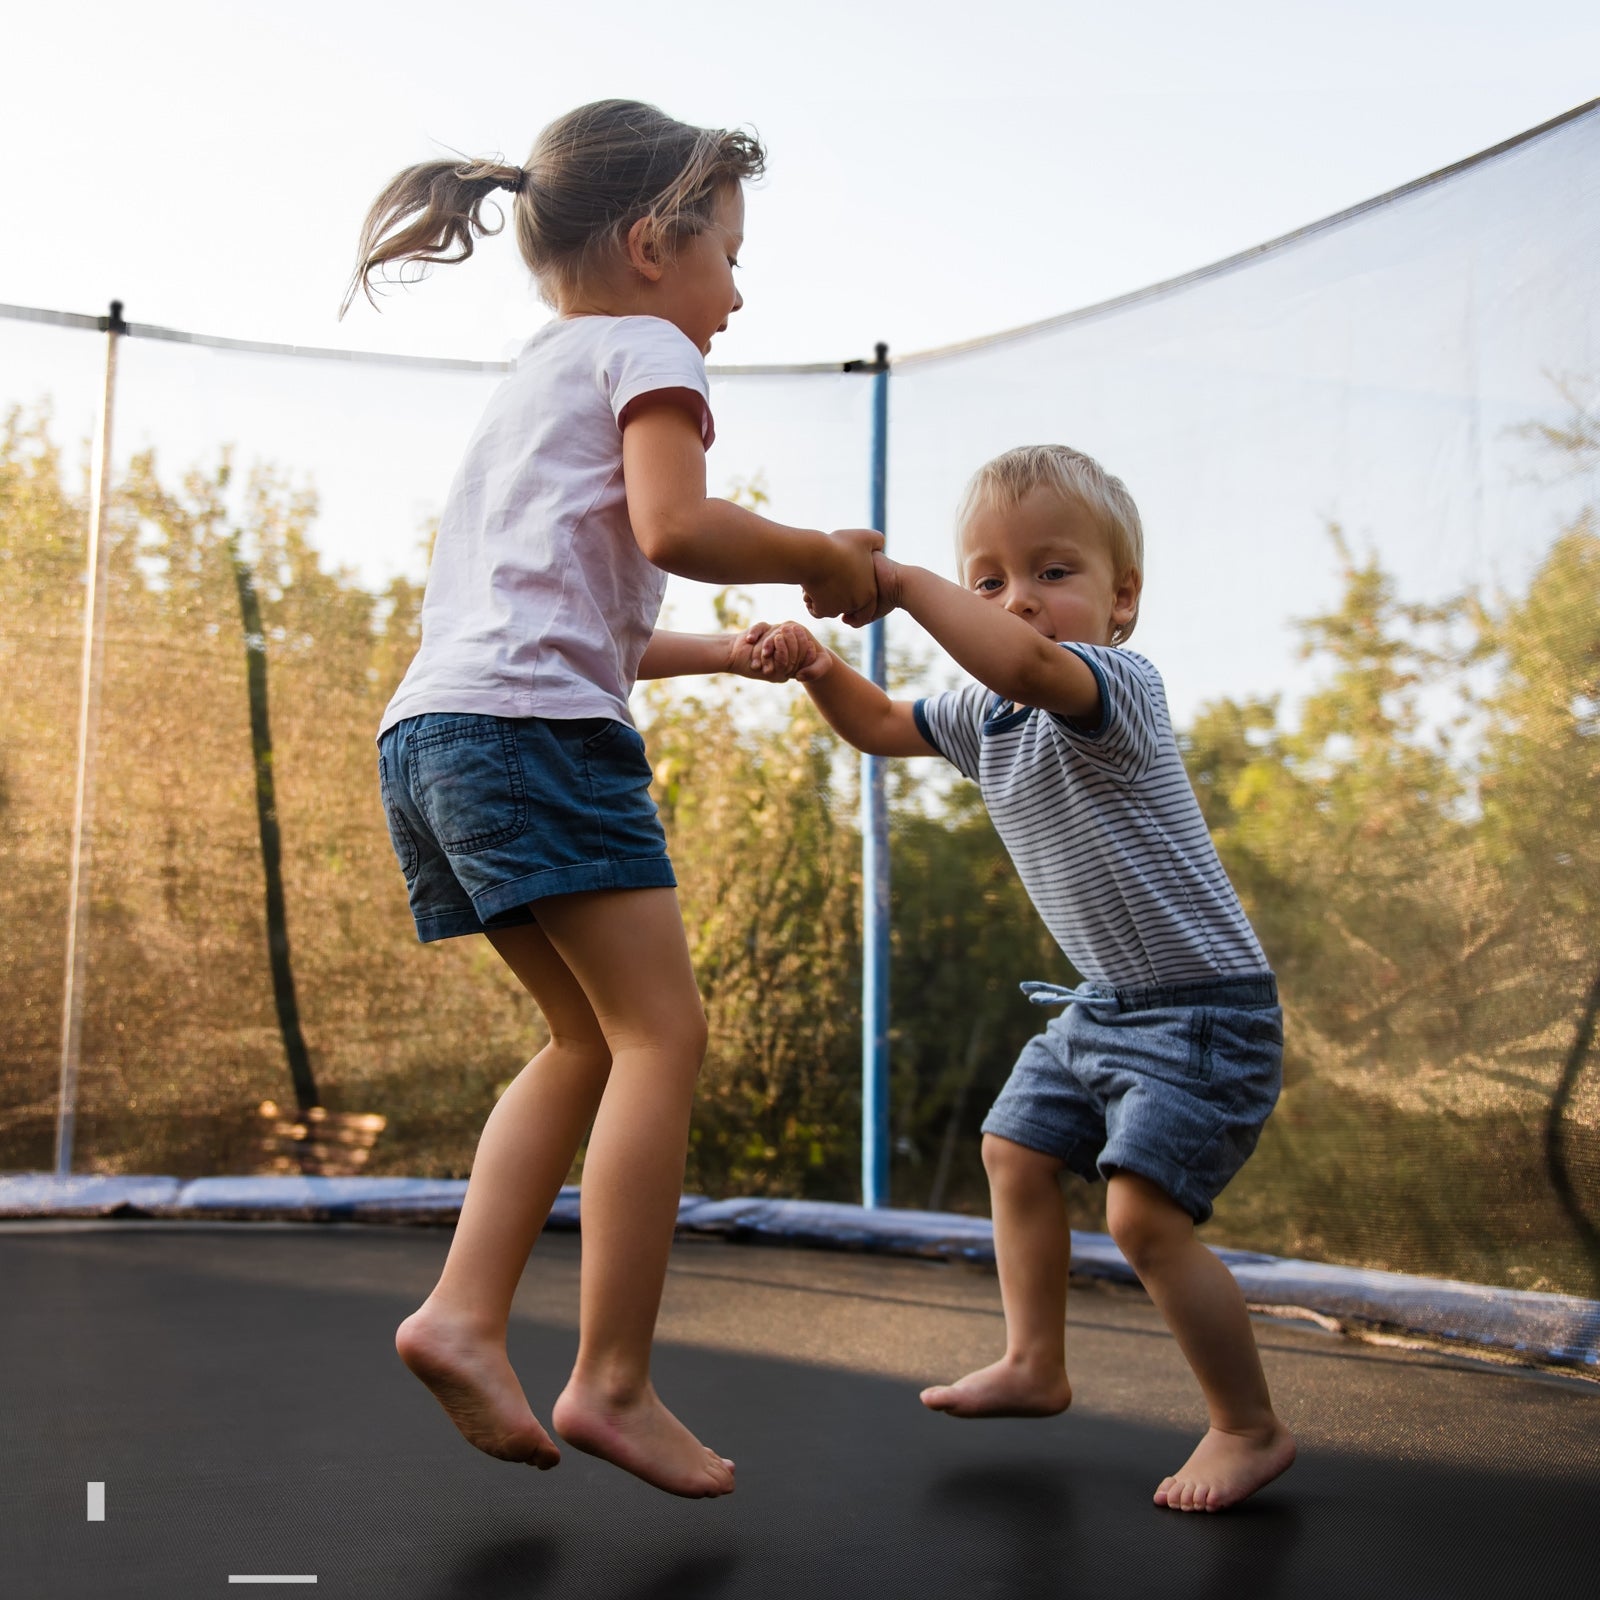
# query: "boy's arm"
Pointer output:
{"type": "Point", "coordinates": [853, 706]}
{"type": "Point", "coordinates": [683, 530]}
{"type": "Point", "coordinates": [1000, 650]}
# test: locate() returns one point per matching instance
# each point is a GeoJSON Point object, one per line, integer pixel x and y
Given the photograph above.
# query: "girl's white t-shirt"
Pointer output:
{"type": "Point", "coordinates": [539, 601]}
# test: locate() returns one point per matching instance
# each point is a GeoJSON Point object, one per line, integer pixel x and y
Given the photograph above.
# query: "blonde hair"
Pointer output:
{"type": "Point", "coordinates": [1070, 475]}
{"type": "Point", "coordinates": [591, 175]}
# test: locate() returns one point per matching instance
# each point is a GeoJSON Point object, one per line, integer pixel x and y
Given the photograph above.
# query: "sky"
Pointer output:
{"type": "Point", "coordinates": [938, 170]}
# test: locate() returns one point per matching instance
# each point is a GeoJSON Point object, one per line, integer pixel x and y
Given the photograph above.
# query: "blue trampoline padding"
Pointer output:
{"type": "Point", "coordinates": [43, 1194]}
{"type": "Point", "coordinates": [941, 1234]}
{"type": "Point", "coordinates": [1544, 1327]}
{"type": "Point", "coordinates": [287, 1199]}
{"type": "Point", "coordinates": [318, 1199]}
{"type": "Point", "coordinates": [1551, 1327]}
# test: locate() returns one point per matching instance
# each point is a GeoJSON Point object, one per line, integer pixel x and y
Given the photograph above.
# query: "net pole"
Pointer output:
{"type": "Point", "coordinates": [94, 649]}
{"type": "Point", "coordinates": [875, 862]}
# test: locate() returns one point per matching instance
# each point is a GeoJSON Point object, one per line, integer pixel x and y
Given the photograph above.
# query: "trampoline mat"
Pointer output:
{"type": "Point", "coordinates": [235, 1389]}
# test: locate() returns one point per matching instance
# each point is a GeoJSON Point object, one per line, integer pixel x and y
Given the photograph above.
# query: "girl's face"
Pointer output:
{"type": "Point", "coordinates": [696, 291]}
{"type": "Point", "coordinates": [1047, 561]}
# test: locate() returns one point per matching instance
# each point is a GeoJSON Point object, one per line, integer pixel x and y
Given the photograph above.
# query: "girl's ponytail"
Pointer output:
{"type": "Point", "coordinates": [593, 173]}
{"type": "Point", "coordinates": [429, 212]}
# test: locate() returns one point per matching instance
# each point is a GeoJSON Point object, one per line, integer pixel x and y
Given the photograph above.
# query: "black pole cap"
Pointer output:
{"type": "Point", "coordinates": [879, 363]}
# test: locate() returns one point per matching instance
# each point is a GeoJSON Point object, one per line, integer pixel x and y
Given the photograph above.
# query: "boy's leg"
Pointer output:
{"type": "Point", "coordinates": [456, 1342]}
{"type": "Point", "coordinates": [1032, 1247]}
{"type": "Point", "coordinates": [1247, 1446]}
{"type": "Point", "coordinates": [628, 952]}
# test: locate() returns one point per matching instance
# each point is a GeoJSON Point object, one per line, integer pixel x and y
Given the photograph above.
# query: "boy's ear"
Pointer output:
{"type": "Point", "coordinates": [644, 249]}
{"type": "Point", "coordinates": [1125, 597]}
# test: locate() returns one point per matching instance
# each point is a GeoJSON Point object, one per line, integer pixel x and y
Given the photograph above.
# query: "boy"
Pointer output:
{"type": "Point", "coordinates": [1165, 1064]}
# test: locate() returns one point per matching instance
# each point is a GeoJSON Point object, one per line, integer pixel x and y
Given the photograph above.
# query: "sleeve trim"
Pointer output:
{"type": "Point", "coordinates": [1076, 726]}
{"type": "Point", "coordinates": [668, 391]}
{"type": "Point", "coordinates": [925, 728]}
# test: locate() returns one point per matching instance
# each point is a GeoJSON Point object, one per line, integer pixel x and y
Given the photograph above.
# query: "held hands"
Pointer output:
{"type": "Point", "coordinates": [803, 657]}
{"type": "Point", "coordinates": [864, 586]}
{"type": "Point", "coordinates": [847, 587]}
{"type": "Point", "coordinates": [886, 585]}
{"type": "Point", "coordinates": [886, 574]}
{"type": "Point", "coordinates": [777, 654]}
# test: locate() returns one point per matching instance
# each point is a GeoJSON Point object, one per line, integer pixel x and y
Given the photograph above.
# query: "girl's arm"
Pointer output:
{"type": "Point", "coordinates": [683, 530]}
{"type": "Point", "coordinates": [853, 706]}
{"type": "Point", "coordinates": [681, 655]}
{"type": "Point", "coordinates": [1001, 651]}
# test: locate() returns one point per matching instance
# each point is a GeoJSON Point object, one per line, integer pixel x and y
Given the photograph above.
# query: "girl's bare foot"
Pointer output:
{"type": "Point", "coordinates": [1007, 1389]}
{"type": "Point", "coordinates": [636, 1432]}
{"type": "Point", "coordinates": [1226, 1468]}
{"type": "Point", "coordinates": [471, 1377]}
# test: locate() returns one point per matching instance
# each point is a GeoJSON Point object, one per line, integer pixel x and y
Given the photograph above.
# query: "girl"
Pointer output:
{"type": "Point", "coordinates": [515, 786]}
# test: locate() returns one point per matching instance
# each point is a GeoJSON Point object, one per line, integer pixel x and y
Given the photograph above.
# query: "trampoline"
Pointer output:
{"type": "Point", "coordinates": [233, 1386]}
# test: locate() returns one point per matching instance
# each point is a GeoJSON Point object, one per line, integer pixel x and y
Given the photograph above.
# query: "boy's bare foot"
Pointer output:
{"type": "Point", "coordinates": [1006, 1389]}
{"type": "Point", "coordinates": [471, 1377]}
{"type": "Point", "coordinates": [639, 1434]}
{"type": "Point", "coordinates": [1226, 1468]}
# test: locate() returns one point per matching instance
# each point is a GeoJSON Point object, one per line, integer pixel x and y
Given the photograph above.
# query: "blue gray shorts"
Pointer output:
{"type": "Point", "coordinates": [1173, 1082]}
{"type": "Point", "coordinates": [489, 814]}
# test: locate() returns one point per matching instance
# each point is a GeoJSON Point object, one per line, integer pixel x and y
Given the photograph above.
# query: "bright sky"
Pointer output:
{"type": "Point", "coordinates": [938, 170]}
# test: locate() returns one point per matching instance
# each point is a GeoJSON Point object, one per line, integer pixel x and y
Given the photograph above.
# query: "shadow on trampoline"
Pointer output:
{"type": "Point", "coordinates": [236, 1391]}
{"type": "Point", "coordinates": [508, 1564]}
{"type": "Point", "coordinates": [709, 1575]}
{"type": "Point", "coordinates": [516, 1566]}
{"type": "Point", "coordinates": [1017, 1511]}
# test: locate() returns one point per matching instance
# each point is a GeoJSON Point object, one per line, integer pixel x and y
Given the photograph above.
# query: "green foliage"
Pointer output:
{"type": "Point", "coordinates": [180, 1039]}
{"type": "Point", "coordinates": [1430, 900]}
{"type": "Point", "coordinates": [1419, 848]}
{"type": "Point", "coordinates": [769, 885]}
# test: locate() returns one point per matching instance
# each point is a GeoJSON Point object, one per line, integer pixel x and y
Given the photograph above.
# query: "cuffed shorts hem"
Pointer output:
{"type": "Point", "coordinates": [648, 872]}
{"type": "Point", "coordinates": [507, 905]}
{"type": "Point", "coordinates": [1077, 1152]}
{"type": "Point", "coordinates": [1174, 1180]}
{"type": "Point", "coordinates": [447, 925]}
{"type": "Point", "coordinates": [1084, 1157]}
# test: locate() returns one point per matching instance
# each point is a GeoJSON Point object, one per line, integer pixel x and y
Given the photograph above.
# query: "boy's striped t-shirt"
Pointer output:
{"type": "Point", "coordinates": [1103, 826]}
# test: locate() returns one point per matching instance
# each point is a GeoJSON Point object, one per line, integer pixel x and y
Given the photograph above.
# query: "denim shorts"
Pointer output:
{"type": "Point", "coordinates": [1173, 1082]}
{"type": "Point", "coordinates": [489, 814]}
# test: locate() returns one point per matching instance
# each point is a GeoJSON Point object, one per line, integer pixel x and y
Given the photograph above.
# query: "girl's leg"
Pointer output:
{"type": "Point", "coordinates": [456, 1342]}
{"type": "Point", "coordinates": [1032, 1248]}
{"type": "Point", "coordinates": [628, 952]}
{"type": "Point", "coordinates": [1247, 1446]}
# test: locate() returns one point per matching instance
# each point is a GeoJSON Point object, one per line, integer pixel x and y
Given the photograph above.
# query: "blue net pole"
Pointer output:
{"type": "Point", "coordinates": [875, 863]}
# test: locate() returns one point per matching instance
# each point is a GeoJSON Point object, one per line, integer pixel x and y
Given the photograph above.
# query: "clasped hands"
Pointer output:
{"type": "Point", "coordinates": [852, 587]}
{"type": "Point", "coordinates": [861, 585]}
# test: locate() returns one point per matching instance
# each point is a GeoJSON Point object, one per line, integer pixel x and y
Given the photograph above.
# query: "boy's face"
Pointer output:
{"type": "Point", "coordinates": [1047, 561]}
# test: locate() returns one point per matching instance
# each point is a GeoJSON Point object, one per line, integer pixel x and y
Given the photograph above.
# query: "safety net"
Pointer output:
{"type": "Point", "coordinates": [1367, 457]}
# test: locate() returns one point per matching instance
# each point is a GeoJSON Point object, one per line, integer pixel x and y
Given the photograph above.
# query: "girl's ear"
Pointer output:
{"type": "Point", "coordinates": [644, 249]}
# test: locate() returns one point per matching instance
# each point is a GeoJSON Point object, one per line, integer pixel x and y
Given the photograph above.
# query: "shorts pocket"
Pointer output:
{"type": "Point", "coordinates": [1247, 1047]}
{"type": "Point", "coordinates": [400, 834]}
{"type": "Point", "coordinates": [466, 776]}
{"type": "Point", "coordinates": [599, 732]}
{"type": "Point", "coordinates": [1202, 1031]}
